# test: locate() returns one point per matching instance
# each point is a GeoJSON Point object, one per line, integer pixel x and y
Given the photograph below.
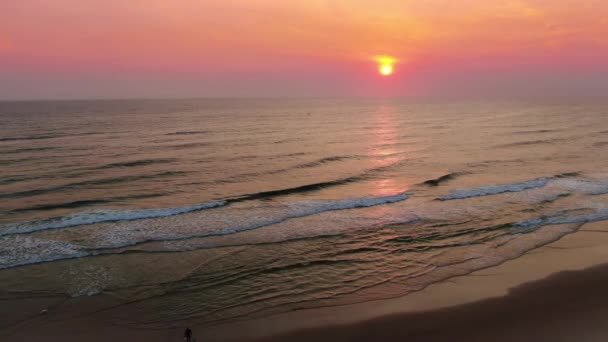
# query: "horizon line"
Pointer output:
{"type": "Point", "coordinates": [300, 97]}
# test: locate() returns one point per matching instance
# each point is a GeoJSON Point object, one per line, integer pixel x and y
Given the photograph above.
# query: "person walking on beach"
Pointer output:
{"type": "Point", "coordinates": [188, 335]}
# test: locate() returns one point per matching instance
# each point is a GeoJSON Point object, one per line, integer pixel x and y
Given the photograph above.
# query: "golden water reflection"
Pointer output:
{"type": "Point", "coordinates": [387, 150]}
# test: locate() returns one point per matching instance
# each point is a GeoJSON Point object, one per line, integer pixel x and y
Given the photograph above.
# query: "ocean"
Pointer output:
{"type": "Point", "coordinates": [224, 209]}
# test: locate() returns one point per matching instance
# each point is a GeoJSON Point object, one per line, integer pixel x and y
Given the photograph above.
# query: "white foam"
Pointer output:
{"type": "Point", "coordinates": [538, 196]}
{"type": "Point", "coordinates": [496, 189]}
{"type": "Point", "coordinates": [560, 218]}
{"type": "Point", "coordinates": [311, 207]}
{"type": "Point", "coordinates": [323, 225]}
{"type": "Point", "coordinates": [586, 186]}
{"type": "Point", "coordinates": [226, 222]}
{"type": "Point", "coordinates": [21, 250]}
{"type": "Point", "coordinates": [86, 280]}
{"type": "Point", "coordinates": [98, 216]}
{"type": "Point", "coordinates": [164, 228]}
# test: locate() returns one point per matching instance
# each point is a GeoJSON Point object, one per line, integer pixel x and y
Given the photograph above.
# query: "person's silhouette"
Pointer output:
{"type": "Point", "coordinates": [188, 335]}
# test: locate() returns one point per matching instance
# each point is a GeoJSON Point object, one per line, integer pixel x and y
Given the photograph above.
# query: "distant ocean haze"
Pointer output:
{"type": "Point", "coordinates": [223, 208]}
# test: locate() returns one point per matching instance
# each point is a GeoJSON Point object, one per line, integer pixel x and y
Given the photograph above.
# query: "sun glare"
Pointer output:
{"type": "Point", "coordinates": [386, 69]}
{"type": "Point", "coordinates": [385, 65]}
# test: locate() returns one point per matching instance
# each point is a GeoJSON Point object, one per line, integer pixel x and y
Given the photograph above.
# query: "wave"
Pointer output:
{"type": "Point", "coordinates": [134, 163]}
{"type": "Point", "coordinates": [366, 174]}
{"type": "Point", "coordinates": [442, 179]}
{"type": "Point", "coordinates": [121, 236]}
{"type": "Point", "coordinates": [99, 216]}
{"type": "Point", "coordinates": [532, 142]}
{"type": "Point", "coordinates": [33, 137]}
{"type": "Point", "coordinates": [14, 178]}
{"type": "Point", "coordinates": [46, 136]}
{"type": "Point", "coordinates": [567, 174]}
{"type": "Point", "coordinates": [68, 205]}
{"type": "Point", "coordinates": [560, 218]}
{"type": "Point", "coordinates": [496, 189]}
{"type": "Point", "coordinates": [67, 174]}
{"type": "Point", "coordinates": [94, 182]}
{"type": "Point", "coordinates": [23, 250]}
{"type": "Point", "coordinates": [537, 131]}
{"type": "Point", "coordinates": [585, 186]}
{"type": "Point", "coordinates": [293, 211]}
{"type": "Point", "coordinates": [564, 180]}
{"type": "Point", "coordinates": [294, 190]}
{"type": "Point", "coordinates": [187, 132]}
{"type": "Point", "coordinates": [77, 219]}
{"type": "Point", "coordinates": [27, 250]}
{"type": "Point", "coordinates": [88, 202]}
{"type": "Point", "coordinates": [288, 140]}
{"type": "Point", "coordinates": [314, 207]}
{"type": "Point", "coordinates": [29, 149]}
{"type": "Point", "coordinates": [312, 164]}
{"type": "Point", "coordinates": [190, 145]}
{"type": "Point", "coordinates": [240, 177]}
{"type": "Point", "coordinates": [277, 156]}
{"type": "Point", "coordinates": [486, 163]}
{"type": "Point", "coordinates": [323, 161]}
{"type": "Point", "coordinates": [92, 217]}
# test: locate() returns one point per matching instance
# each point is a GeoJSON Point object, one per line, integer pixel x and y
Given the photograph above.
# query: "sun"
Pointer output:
{"type": "Point", "coordinates": [386, 69]}
{"type": "Point", "coordinates": [386, 65]}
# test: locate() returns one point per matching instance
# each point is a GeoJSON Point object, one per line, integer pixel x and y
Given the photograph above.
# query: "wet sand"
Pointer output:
{"type": "Point", "coordinates": [557, 292]}
{"type": "Point", "coordinates": [569, 306]}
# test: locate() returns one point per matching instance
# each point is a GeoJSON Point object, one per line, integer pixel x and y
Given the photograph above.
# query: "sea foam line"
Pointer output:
{"type": "Point", "coordinates": [99, 216]}
{"type": "Point", "coordinates": [20, 250]}
{"type": "Point", "coordinates": [495, 189]}
{"type": "Point", "coordinates": [559, 218]}
{"type": "Point", "coordinates": [133, 236]}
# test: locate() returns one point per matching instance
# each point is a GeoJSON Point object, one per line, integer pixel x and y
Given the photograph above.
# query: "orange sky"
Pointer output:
{"type": "Point", "coordinates": [299, 47]}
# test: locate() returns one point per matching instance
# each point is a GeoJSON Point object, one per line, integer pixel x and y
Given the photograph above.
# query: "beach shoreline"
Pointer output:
{"type": "Point", "coordinates": [567, 306]}
{"type": "Point", "coordinates": [526, 291]}
{"type": "Point", "coordinates": [553, 268]}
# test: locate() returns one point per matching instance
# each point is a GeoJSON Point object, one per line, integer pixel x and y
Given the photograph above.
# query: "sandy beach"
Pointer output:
{"type": "Point", "coordinates": [568, 306]}
{"type": "Point", "coordinates": [555, 292]}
